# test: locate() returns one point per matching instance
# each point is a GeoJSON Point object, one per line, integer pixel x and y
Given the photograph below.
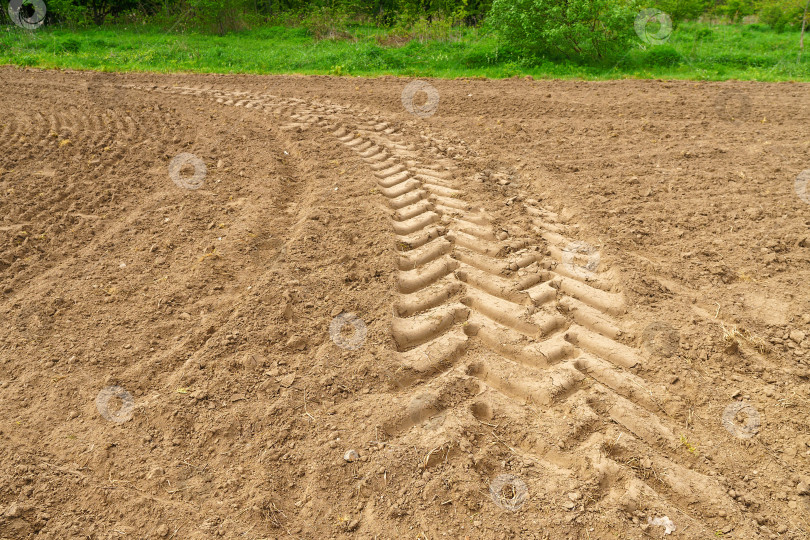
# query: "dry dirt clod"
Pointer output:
{"type": "Point", "coordinates": [797, 336]}
{"type": "Point", "coordinates": [12, 511]}
{"type": "Point", "coordinates": [287, 380]}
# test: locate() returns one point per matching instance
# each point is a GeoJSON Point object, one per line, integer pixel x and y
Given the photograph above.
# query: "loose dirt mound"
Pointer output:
{"type": "Point", "coordinates": [549, 310]}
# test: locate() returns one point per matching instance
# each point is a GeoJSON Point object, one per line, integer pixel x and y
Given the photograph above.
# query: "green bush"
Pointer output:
{"type": "Point", "coordinates": [220, 16]}
{"type": "Point", "coordinates": [327, 24]}
{"type": "Point", "coordinates": [663, 56]}
{"type": "Point", "coordinates": [577, 29]}
{"type": "Point", "coordinates": [735, 10]}
{"type": "Point", "coordinates": [680, 10]}
{"type": "Point", "coordinates": [67, 12]}
{"type": "Point", "coordinates": [782, 14]}
{"type": "Point", "coordinates": [756, 27]}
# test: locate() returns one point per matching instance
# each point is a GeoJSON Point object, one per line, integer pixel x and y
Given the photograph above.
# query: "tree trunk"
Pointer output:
{"type": "Point", "coordinates": [804, 25]}
{"type": "Point", "coordinates": [99, 11]}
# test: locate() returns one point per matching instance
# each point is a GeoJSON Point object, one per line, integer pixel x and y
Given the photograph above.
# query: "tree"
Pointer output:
{"type": "Point", "coordinates": [98, 10]}
{"type": "Point", "coordinates": [576, 29]}
{"type": "Point", "coordinates": [735, 9]}
{"type": "Point", "coordinates": [781, 14]}
{"type": "Point", "coordinates": [679, 10]}
{"type": "Point", "coordinates": [804, 25]}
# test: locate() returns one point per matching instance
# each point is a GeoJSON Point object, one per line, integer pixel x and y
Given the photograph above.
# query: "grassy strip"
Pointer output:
{"type": "Point", "coordinates": [694, 51]}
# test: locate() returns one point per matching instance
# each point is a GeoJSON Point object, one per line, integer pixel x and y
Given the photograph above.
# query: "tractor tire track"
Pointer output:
{"type": "Point", "coordinates": [486, 322]}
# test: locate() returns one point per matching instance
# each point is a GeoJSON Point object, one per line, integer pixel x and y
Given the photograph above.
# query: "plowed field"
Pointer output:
{"type": "Point", "coordinates": [531, 309]}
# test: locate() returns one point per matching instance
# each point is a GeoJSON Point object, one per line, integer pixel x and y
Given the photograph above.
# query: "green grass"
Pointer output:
{"type": "Point", "coordinates": [695, 51]}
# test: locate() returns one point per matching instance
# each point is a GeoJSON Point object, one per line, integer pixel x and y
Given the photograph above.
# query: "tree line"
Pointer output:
{"type": "Point", "coordinates": [99, 12]}
{"type": "Point", "coordinates": [776, 13]}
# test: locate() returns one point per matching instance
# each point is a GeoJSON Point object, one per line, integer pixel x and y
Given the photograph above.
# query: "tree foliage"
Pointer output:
{"type": "Point", "coordinates": [215, 11]}
{"type": "Point", "coordinates": [735, 10]}
{"type": "Point", "coordinates": [680, 10]}
{"type": "Point", "coordinates": [782, 14]}
{"type": "Point", "coordinates": [594, 29]}
{"type": "Point", "coordinates": [571, 27]}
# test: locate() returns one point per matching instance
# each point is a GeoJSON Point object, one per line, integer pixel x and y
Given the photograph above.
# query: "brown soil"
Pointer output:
{"type": "Point", "coordinates": [557, 309]}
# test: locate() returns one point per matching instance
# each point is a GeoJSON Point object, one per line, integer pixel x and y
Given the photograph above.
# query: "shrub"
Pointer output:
{"type": "Point", "coordinates": [421, 29]}
{"type": "Point", "coordinates": [663, 56]}
{"type": "Point", "coordinates": [221, 16]}
{"type": "Point", "coordinates": [782, 14]}
{"type": "Point", "coordinates": [680, 10]}
{"type": "Point", "coordinates": [67, 12]}
{"type": "Point", "coordinates": [577, 29]}
{"type": "Point", "coordinates": [78, 11]}
{"type": "Point", "coordinates": [756, 27]}
{"type": "Point", "coordinates": [735, 10]}
{"type": "Point", "coordinates": [327, 24]}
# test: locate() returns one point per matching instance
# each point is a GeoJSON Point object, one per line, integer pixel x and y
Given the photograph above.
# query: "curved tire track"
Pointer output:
{"type": "Point", "coordinates": [485, 322]}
